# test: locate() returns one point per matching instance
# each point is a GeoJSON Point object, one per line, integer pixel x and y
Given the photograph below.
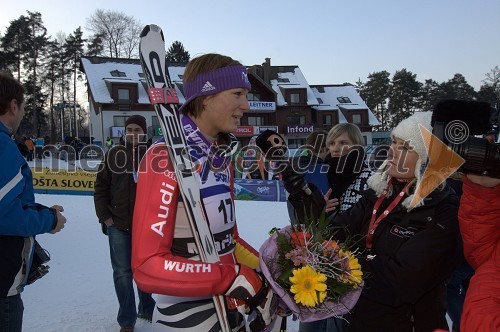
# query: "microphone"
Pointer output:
{"type": "Point", "coordinates": [477, 115]}
{"type": "Point", "coordinates": [274, 149]}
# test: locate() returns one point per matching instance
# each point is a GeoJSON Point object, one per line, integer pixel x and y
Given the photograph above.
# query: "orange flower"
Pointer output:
{"type": "Point", "coordinates": [331, 245]}
{"type": "Point", "coordinates": [299, 238]}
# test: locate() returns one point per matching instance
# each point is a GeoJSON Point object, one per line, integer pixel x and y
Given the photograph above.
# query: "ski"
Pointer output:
{"type": "Point", "coordinates": [164, 98]}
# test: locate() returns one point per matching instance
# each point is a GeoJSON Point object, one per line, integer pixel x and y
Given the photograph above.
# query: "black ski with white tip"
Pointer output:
{"type": "Point", "coordinates": [164, 98]}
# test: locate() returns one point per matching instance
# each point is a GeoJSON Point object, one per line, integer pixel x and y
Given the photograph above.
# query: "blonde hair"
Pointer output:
{"type": "Point", "coordinates": [352, 131]}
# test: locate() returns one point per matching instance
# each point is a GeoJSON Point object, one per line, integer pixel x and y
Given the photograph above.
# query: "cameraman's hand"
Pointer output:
{"type": "Point", "coordinates": [331, 204]}
{"type": "Point", "coordinates": [484, 181]}
{"type": "Point", "coordinates": [61, 220]}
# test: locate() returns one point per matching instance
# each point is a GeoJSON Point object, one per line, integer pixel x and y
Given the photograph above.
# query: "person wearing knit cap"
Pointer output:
{"type": "Point", "coordinates": [411, 251]}
{"type": "Point", "coordinates": [138, 120]}
{"type": "Point", "coordinates": [165, 259]}
{"type": "Point", "coordinates": [114, 199]}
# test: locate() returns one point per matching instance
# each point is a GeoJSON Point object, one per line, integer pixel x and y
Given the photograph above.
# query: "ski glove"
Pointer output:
{"type": "Point", "coordinates": [253, 288]}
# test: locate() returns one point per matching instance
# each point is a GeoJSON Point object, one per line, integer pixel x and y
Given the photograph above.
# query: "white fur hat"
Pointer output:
{"type": "Point", "coordinates": [407, 130]}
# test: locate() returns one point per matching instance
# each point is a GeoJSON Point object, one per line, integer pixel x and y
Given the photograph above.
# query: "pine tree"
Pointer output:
{"type": "Point", "coordinates": [375, 92]}
{"type": "Point", "coordinates": [74, 51]}
{"type": "Point", "coordinates": [176, 53]}
{"type": "Point", "coordinates": [15, 44]}
{"type": "Point", "coordinates": [94, 46]}
{"type": "Point", "coordinates": [404, 94]}
{"type": "Point", "coordinates": [488, 94]}
{"type": "Point", "coordinates": [458, 88]}
{"type": "Point", "coordinates": [430, 94]}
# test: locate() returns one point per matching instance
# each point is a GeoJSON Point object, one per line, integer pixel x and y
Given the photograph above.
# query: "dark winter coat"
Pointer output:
{"type": "Point", "coordinates": [115, 187]}
{"type": "Point", "coordinates": [315, 172]}
{"type": "Point", "coordinates": [347, 177]}
{"type": "Point", "coordinates": [415, 253]}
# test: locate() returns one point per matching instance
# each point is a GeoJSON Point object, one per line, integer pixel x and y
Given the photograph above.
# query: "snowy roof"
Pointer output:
{"type": "Point", "coordinates": [291, 80]}
{"type": "Point", "coordinates": [334, 97]}
{"type": "Point", "coordinates": [99, 76]}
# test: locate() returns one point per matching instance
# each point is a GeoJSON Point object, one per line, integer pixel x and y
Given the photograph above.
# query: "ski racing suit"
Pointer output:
{"type": "Point", "coordinates": [164, 258]}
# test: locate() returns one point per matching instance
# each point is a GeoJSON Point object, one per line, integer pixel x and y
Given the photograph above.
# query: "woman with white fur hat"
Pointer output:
{"type": "Point", "coordinates": [410, 250]}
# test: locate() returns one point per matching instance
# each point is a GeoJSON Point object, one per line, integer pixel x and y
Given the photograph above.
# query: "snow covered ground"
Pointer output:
{"type": "Point", "coordinates": [78, 294]}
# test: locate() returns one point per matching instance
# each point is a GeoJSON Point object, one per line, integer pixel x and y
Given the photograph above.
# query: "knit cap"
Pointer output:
{"type": "Point", "coordinates": [409, 131]}
{"type": "Point", "coordinates": [138, 120]}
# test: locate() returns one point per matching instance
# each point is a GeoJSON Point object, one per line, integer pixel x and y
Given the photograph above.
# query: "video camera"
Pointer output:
{"type": "Point", "coordinates": [38, 270]}
{"type": "Point", "coordinates": [455, 122]}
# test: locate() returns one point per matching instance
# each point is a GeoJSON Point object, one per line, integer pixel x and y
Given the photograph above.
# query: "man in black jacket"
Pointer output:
{"type": "Point", "coordinates": [114, 199]}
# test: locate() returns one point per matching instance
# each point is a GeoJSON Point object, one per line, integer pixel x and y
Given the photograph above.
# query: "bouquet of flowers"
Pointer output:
{"type": "Point", "coordinates": [314, 275]}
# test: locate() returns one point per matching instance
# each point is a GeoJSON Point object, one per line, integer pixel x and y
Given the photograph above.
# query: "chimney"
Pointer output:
{"type": "Point", "coordinates": [266, 66]}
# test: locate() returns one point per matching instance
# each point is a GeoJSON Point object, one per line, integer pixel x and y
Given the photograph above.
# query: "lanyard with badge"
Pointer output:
{"type": "Point", "coordinates": [374, 221]}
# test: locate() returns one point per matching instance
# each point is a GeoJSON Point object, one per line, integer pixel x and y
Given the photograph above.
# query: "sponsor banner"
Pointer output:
{"type": "Point", "coordinates": [63, 180]}
{"type": "Point", "coordinates": [262, 105]}
{"type": "Point", "coordinates": [244, 131]}
{"type": "Point", "coordinates": [46, 181]}
{"type": "Point", "coordinates": [117, 131]}
{"type": "Point", "coordinates": [300, 129]}
{"type": "Point", "coordinates": [253, 130]}
{"type": "Point", "coordinates": [261, 129]}
{"type": "Point", "coordinates": [157, 131]}
{"type": "Point", "coordinates": [259, 190]}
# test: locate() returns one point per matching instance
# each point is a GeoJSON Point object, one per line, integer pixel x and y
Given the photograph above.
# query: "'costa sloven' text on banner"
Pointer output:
{"type": "Point", "coordinates": [63, 180]}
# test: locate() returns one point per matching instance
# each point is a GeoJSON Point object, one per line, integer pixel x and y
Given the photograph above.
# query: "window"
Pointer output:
{"type": "Point", "coordinates": [344, 100]}
{"type": "Point", "coordinates": [356, 118]}
{"type": "Point", "coordinates": [255, 121]}
{"type": "Point", "coordinates": [283, 80]}
{"type": "Point", "coordinates": [117, 73]}
{"type": "Point", "coordinates": [320, 100]}
{"type": "Point", "coordinates": [119, 121]}
{"type": "Point", "coordinates": [123, 94]}
{"type": "Point", "coordinates": [296, 120]}
{"type": "Point", "coordinates": [253, 96]}
{"type": "Point", "coordinates": [327, 119]}
{"type": "Point", "coordinates": [123, 107]}
{"type": "Point", "coordinates": [295, 143]}
{"type": "Point", "coordinates": [155, 121]}
{"type": "Point", "coordinates": [294, 98]}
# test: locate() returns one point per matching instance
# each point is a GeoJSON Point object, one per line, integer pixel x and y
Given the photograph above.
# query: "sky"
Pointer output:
{"type": "Point", "coordinates": [78, 294]}
{"type": "Point", "coordinates": [333, 42]}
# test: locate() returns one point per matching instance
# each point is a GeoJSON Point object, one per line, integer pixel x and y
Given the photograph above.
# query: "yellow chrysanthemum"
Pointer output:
{"type": "Point", "coordinates": [308, 286]}
{"type": "Point", "coordinates": [355, 275]}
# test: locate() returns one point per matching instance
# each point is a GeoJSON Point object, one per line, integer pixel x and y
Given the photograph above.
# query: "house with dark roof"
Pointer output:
{"type": "Point", "coordinates": [340, 104]}
{"type": "Point", "coordinates": [281, 99]}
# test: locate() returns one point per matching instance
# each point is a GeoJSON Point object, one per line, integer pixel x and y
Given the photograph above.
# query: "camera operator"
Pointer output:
{"type": "Point", "coordinates": [20, 217]}
{"type": "Point", "coordinates": [479, 212]}
{"type": "Point", "coordinates": [479, 217]}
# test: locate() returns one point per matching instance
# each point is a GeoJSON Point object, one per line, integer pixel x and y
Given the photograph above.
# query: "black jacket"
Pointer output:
{"type": "Point", "coordinates": [415, 252]}
{"type": "Point", "coordinates": [115, 187]}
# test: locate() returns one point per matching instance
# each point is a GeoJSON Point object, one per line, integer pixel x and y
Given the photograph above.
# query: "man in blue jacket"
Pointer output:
{"type": "Point", "coordinates": [20, 217]}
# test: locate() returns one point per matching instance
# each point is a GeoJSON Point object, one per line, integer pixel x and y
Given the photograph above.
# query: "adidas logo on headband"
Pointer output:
{"type": "Point", "coordinates": [207, 87]}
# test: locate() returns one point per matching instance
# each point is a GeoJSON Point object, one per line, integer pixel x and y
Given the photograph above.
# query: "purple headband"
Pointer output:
{"type": "Point", "coordinates": [215, 81]}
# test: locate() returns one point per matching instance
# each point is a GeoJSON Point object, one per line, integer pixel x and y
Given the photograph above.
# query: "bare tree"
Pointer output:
{"type": "Point", "coordinates": [119, 32]}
